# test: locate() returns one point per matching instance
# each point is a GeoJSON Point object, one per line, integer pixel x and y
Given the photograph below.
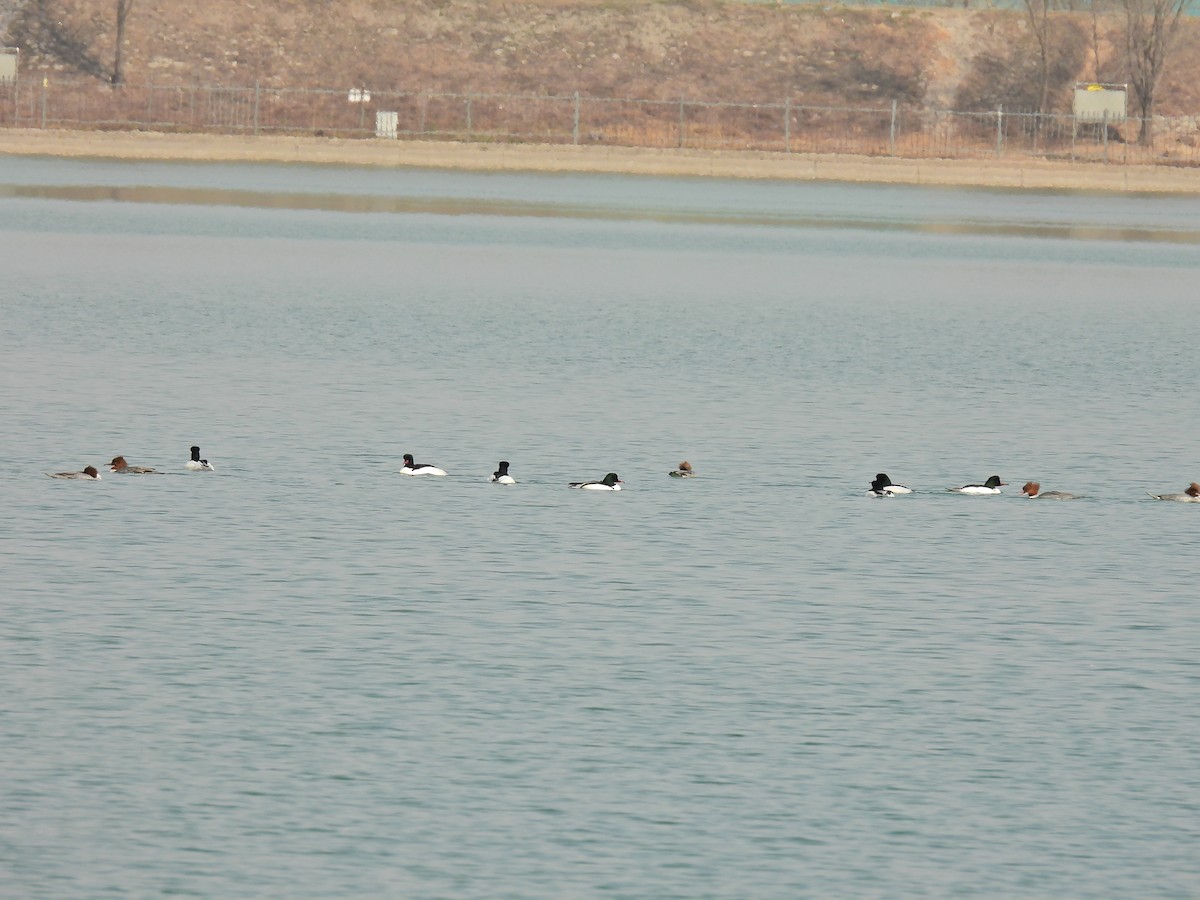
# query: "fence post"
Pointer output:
{"type": "Point", "coordinates": [999, 130]}
{"type": "Point", "coordinates": [681, 123]}
{"type": "Point", "coordinates": [787, 125]}
{"type": "Point", "coordinates": [468, 117]}
{"type": "Point", "coordinates": [892, 132]}
{"type": "Point", "coordinates": [1104, 125]}
{"type": "Point", "coordinates": [45, 87]}
{"type": "Point", "coordinates": [575, 131]}
{"type": "Point", "coordinates": [256, 107]}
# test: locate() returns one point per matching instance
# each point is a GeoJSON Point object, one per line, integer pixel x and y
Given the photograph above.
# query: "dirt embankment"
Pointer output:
{"type": "Point", "coordinates": [1024, 174]}
{"type": "Point", "coordinates": [718, 50]}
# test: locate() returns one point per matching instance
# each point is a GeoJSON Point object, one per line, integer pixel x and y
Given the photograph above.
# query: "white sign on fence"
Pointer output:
{"type": "Point", "coordinates": [8, 64]}
{"type": "Point", "coordinates": [1100, 102]}
{"type": "Point", "coordinates": [386, 124]}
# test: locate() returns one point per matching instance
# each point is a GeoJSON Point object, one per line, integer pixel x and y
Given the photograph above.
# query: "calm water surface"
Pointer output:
{"type": "Point", "coordinates": [305, 675]}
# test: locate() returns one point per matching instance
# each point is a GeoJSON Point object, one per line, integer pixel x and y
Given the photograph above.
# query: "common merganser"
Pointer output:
{"type": "Point", "coordinates": [119, 465]}
{"type": "Point", "coordinates": [196, 464]}
{"type": "Point", "coordinates": [684, 471]}
{"type": "Point", "coordinates": [1033, 490]}
{"type": "Point", "coordinates": [501, 476]}
{"type": "Point", "coordinates": [991, 486]}
{"type": "Point", "coordinates": [610, 483]}
{"type": "Point", "coordinates": [882, 487]}
{"type": "Point", "coordinates": [1191, 495]}
{"type": "Point", "coordinates": [88, 474]}
{"type": "Point", "coordinates": [412, 468]}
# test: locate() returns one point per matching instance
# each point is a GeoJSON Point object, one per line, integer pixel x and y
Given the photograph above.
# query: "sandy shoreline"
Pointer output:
{"type": "Point", "coordinates": [1034, 175]}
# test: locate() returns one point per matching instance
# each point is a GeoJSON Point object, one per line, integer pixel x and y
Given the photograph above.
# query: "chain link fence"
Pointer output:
{"type": "Point", "coordinates": [686, 123]}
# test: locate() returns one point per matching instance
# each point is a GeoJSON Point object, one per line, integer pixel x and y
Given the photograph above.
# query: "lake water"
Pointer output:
{"type": "Point", "coordinates": [306, 675]}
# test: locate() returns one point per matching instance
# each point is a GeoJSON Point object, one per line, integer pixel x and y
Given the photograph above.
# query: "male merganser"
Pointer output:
{"type": "Point", "coordinates": [882, 487]}
{"type": "Point", "coordinates": [991, 486]}
{"type": "Point", "coordinates": [610, 483]}
{"type": "Point", "coordinates": [119, 465]}
{"type": "Point", "coordinates": [684, 471]}
{"type": "Point", "coordinates": [412, 468]}
{"type": "Point", "coordinates": [196, 464]}
{"type": "Point", "coordinates": [1191, 495]}
{"type": "Point", "coordinates": [501, 476]}
{"type": "Point", "coordinates": [1032, 490]}
{"type": "Point", "coordinates": [88, 474]}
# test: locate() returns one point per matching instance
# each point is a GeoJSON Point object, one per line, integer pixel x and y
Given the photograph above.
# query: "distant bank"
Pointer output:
{"type": "Point", "coordinates": [1008, 173]}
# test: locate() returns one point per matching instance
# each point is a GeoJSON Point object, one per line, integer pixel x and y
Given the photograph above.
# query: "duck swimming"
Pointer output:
{"type": "Point", "coordinates": [196, 464]}
{"type": "Point", "coordinates": [882, 487]}
{"type": "Point", "coordinates": [414, 468]}
{"type": "Point", "coordinates": [1191, 495]}
{"type": "Point", "coordinates": [501, 476]}
{"type": "Point", "coordinates": [1033, 490]}
{"type": "Point", "coordinates": [119, 465]}
{"type": "Point", "coordinates": [684, 471]}
{"type": "Point", "coordinates": [610, 483]}
{"type": "Point", "coordinates": [991, 486]}
{"type": "Point", "coordinates": [88, 474]}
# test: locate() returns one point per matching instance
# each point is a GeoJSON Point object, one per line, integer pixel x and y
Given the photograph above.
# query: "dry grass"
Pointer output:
{"type": "Point", "coordinates": [703, 49]}
{"type": "Point", "coordinates": [259, 61]}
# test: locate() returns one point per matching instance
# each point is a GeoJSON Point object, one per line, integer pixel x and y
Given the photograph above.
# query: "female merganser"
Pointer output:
{"type": "Point", "coordinates": [1191, 495]}
{"type": "Point", "coordinates": [196, 464]}
{"type": "Point", "coordinates": [610, 483]}
{"type": "Point", "coordinates": [991, 486]}
{"type": "Point", "coordinates": [501, 476]}
{"type": "Point", "coordinates": [1032, 489]}
{"type": "Point", "coordinates": [882, 487]}
{"type": "Point", "coordinates": [684, 471]}
{"type": "Point", "coordinates": [412, 468]}
{"type": "Point", "coordinates": [119, 465]}
{"type": "Point", "coordinates": [88, 474]}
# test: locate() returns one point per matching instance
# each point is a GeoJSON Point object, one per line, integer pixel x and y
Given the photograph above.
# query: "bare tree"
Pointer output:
{"type": "Point", "coordinates": [1057, 40]}
{"type": "Point", "coordinates": [1150, 28]}
{"type": "Point", "coordinates": [59, 31]}
{"type": "Point", "coordinates": [1094, 11]}
{"type": "Point", "coordinates": [1038, 12]}
{"type": "Point", "coordinates": [45, 28]}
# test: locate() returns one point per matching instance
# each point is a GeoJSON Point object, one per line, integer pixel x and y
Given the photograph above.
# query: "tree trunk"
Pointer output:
{"type": "Point", "coordinates": [118, 72]}
{"type": "Point", "coordinates": [1146, 111]}
{"type": "Point", "coordinates": [1095, 44]}
{"type": "Point", "coordinates": [1150, 27]}
{"type": "Point", "coordinates": [1038, 12]}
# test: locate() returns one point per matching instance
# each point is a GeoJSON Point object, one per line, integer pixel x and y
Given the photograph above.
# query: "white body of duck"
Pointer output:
{"type": "Point", "coordinates": [882, 487]}
{"type": "Point", "coordinates": [119, 465]}
{"type": "Point", "coordinates": [415, 468]}
{"type": "Point", "coordinates": [501, 476]}
{"type": "Point", "coordinates": [88, 474]}
{"type": "Point", "coordinates": [196, 464]}
{"type": "Point", "coordinates": [610, 482]}
{"type": "Point", "coordinates": [1033, 491]}
{"type": "Point", "coordinates": [1191, 495]}
{"type": "Point", "coordinates": [991, 486]}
